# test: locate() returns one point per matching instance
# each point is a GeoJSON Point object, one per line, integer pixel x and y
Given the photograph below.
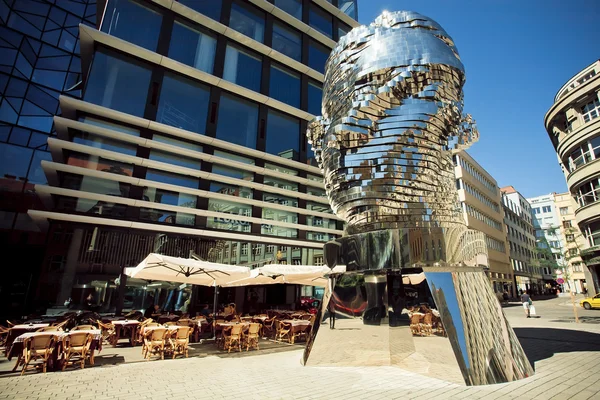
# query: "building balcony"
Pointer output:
{"type": "Point", "coordinates": [587, 213]}
{"type": "Point", "coordinates": [583, 173]}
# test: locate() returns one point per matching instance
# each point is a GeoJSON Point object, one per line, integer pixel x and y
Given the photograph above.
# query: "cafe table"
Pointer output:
{"type": "Point", "coordinates": [17, 330]}
{"type": "Point", "coordinates": [125, 329]}
{"type": "Point", "coordinates": [297, 326]}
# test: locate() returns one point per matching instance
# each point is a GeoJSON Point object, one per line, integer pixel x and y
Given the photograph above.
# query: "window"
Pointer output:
{"type": "Point", "coordinates": [110, 125]}
{"type": "Point", "coordinates": [176, 142]}
{"type": "Point", "coordinates": [348, 7]}
{"type": "Point", "coordinates": [174, 159]}
{"type": "Point", "coordinates": [287, 41]}
{"type": "Point", "coordinates": [292, 7]}
{"type": "Point", "coordinates": [192, 47]}
{"type": "Point", "coordinates": [570, 238]}
{"type": "Point", "coordinates": [102, 142]}
{"type": "Point", "coordinates": [592, 233]}
{"type": "Point", "coordinates": [285, 85]}
{"type": "Point", "coordinates": [238, 121]}
{"type": "Point", "coordinates": [567, 224]}
{"type": "Point", "coordinates": [315, 96]}
{"type": "Point", "coordinates": [183, 103]}
{"type": "Point", "coordinates": [242, 68]}
{"type": "Point", "coordinates": [591, 110]}
{"type": "Point", "coordinates": [95, 185]}
{"type": "Point", "coordinates": [99, 164]}
{"type": "Point", "coordinates": [283, 135]}
{"type": "Point", "coordinates": [564, 210]}
{"type": "Point", "coordinates": [249, 22]}
{"type": "Point", "coordinates": [210, 8]}
{"type": "Point", "coordinates": [172, 179]}
{"type": "Point", "coordinates": [536, 210]}
{"type": "Point", "coordinates": [321, 20]}
{"type": "Point", "coordinates": [132, 22]}
{"type": "Point", "coordinates": [171, 198]}
{"type": "Point", "coordinates": [588, 193]}
{"type": "Point", "coordinates": [343, 29]}
{"type": "Point", "coordinates": [229, 223]}
{"type": "Point", "coordinates": [317, 56]}
{"type": "Point", "coordinates": [118, 84]}
{"type": "Point", "coordinates": [546, 209]}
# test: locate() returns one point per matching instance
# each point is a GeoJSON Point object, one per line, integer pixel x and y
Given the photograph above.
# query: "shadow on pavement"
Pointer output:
{"type": "Point", "coordinates": [542, 343]}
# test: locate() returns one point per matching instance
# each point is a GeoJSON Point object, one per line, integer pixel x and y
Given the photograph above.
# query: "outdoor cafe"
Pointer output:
{"type": "Point", "coordinates": [74, 339]}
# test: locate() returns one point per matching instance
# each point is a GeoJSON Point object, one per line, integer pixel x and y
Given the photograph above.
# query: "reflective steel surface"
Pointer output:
{"type": "Point", "coordinates": [414, 293]}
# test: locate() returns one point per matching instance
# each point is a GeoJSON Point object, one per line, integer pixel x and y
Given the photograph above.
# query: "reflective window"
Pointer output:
{"type": "Point", "coordinates": [235, 157]}
{"type": "Point", "coordinates": [118, 84]}
{"type": "Point", "coordinates": [172, 179]}
{"type": "Point", "coordinates": [90, 206]}
{"type": "Point", "coordinates": [281, 184]}
{"type": "Point", "coordinates": [95, 185]}
{"type": "Point", "coordinates": [233, 173]}
{"type": "Point", "coordinates": [317, 56]}
{"type": "Point", "coordinates": [99, 164]}
{"type": "Point", "coordinates": [324, 208]}
{"type": "Point", "coordinates": [315, 96]}
{"type": "Point", "coordinates": [210, 8]}
{"type": "Point", "coordinates": [281, 169]}
{"type": "Point", "coordinates": [279, 215]}
{"type": "Point", "coordinates": [36, 173]}
{"type": "Point", "coordinates": [167, 217]}
{"type": "Point", "coordinates": [101, 142]}
{"type": "Point", "coordinates": [321, 20]}
{"type": "Point", "coordinates": [287, 41]}
{"type": "Point", "coordinates": [174, 159]}
{"type": "Point", "coordinates": [176, 142]}
{"type": "Point", "coordinates": [242, 68]}
{"type": "Point", "coordinates": [14, 161]}
{"type": "Point", "coordinates": [229, 223]}
{"type": "Point", "coordinates": [248, 21]}
{"type": "Point", "coordinates": [292, 7]}
{"type": "Point", "coordinates": [110, 125]}
{"type": "Point", "coordinates": [349, 8]}
{"type": "Point", "coordinates": [238, 121]}
{"type": "Point", "coordinates": [343, 29]}
{"type": "Point", "coordinates": [284, 85]}
{"type": "Point", "coordinates": [183, 103]}
{"type": "Point", "coordinates": [283, 135]}
{"type": "Point", "coordinates": [230, 190]}
{"type": "Point", "coordinates": [132, 22]}
{"type": "Point", "coordinates": [192, 47]}
{"type": "Point", "coordinates": [171, 198]}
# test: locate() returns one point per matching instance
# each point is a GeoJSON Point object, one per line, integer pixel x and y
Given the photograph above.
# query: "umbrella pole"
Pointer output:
{"type": "Point", "coordinates": [215, 300]}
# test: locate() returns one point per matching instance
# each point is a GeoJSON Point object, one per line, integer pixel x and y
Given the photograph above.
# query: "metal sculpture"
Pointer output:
{"type": "Point", "coordinates": [392, 119]}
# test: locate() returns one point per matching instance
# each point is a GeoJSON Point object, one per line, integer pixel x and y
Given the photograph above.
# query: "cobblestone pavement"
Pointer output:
{"type": "Point", "coordinates": [565, 358]}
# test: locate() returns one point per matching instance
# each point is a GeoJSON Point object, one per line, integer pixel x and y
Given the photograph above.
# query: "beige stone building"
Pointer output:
{"type": "Point", "coordinates": [573, 125]}
{"type": "Point", "coordinates": [520, 235]}
{"type": "Point", "coordinates": [574, 242]}
{"type": "Point", "coordinates": [481, 202]}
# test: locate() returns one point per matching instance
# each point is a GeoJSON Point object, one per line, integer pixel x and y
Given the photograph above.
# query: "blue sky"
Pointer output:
{"type": "Point", "coordinates": [517, 54]}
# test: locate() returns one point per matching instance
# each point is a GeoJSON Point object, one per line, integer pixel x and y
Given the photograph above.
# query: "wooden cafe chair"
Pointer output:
{"type": "Point", "coordinates": [76, 344]}
{"type": "Point", "coordinates": [38, 349]}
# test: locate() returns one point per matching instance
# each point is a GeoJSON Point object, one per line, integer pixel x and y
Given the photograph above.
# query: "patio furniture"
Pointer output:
{"type": "Point", "coordinates": [125, 329]}
{"type": "Point", "coordinates": [427, 325]}
{"type": "Point", "coordinates": [251, 338]}
{"type": "Point", "coordinates": [180, 341]}
{"type": "Point", "coordinates": [154, 342]}
{"type": "Point", "coordinates": [84, 328]}
{"type": "Point", "coordinates": [283, 331]}
{"type": "Point", "coordinates": [415, 324]}
{"type": "Point", "coordinates": [49, 329]}
{"type": "Point", "coordinates": [108, 332]}
{"type": "Point", "coordinates": [76, 344]}
{"type": "Point", "coordinates": [16, 331]}
{"type": "Point", "coordinates": [234, 339]}
{"type": "Point", "coordinates": [38, 348]}
{"type": "Point", "coordinates": [3, 335]}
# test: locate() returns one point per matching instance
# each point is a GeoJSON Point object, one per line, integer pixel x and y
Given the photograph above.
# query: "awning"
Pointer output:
{"type": "Point", "coordinates": [159, 267]}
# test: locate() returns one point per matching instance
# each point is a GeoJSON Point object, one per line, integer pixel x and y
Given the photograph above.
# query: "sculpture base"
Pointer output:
{"type": "Point", "coordinates": [462, 336]}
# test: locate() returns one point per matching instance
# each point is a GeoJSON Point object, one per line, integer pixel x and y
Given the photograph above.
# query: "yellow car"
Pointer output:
{"type": "Point", "coordinates": [590, 302]}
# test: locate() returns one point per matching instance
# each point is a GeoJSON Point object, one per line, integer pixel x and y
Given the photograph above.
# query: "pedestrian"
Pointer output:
{"type": "Point", "coordinates": [505, 297]}
{"type": "Point", "coordinates": [526, 300]}
{"type": "Point", "coordinates": [331, 314]}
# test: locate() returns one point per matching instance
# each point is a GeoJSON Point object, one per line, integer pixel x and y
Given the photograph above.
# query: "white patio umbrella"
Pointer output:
{"type": "Point", "coordinates": [269, 274]}
{"type": "Point", "coordinates": [159, 267]}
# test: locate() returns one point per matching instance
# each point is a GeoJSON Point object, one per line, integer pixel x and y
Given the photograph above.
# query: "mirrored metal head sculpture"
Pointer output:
{"type": "Point", "coordinates": [392, 113]}
{"type": "Point", "coordinates": [414, 292]}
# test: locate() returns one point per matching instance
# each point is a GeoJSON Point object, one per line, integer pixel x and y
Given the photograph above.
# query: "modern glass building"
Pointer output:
{"type": "Point", "coordinates": [39, 62]}
{"type": "Point", "coordinates": [188, 137]}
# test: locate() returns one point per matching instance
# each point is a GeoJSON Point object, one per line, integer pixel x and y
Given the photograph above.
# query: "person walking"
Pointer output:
{"type": "Point", "coordinates": [526, 300]}
{"type": "Point", "coordinates": [331, 313]}
{"type": "Point", "coordinates": [505, 297]}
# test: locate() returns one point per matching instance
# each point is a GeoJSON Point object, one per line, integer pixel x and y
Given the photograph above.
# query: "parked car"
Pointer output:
{"type": "Point", "coordinates": [590, 302]}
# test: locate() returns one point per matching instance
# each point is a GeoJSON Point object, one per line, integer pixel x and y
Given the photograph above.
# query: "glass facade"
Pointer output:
{"type": "Point", "coordinates": [192, 47]}
{"type": "Point", "coordinates": [243, 68]}
{"type": "Point", "coordinates": [183, 103]}
{"type": "Point", "coordinates": [133, 22]}
{"type": "Point", "coordinates": [118, 83]}
{"type": "Point", "coordinates": [213, 184]}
